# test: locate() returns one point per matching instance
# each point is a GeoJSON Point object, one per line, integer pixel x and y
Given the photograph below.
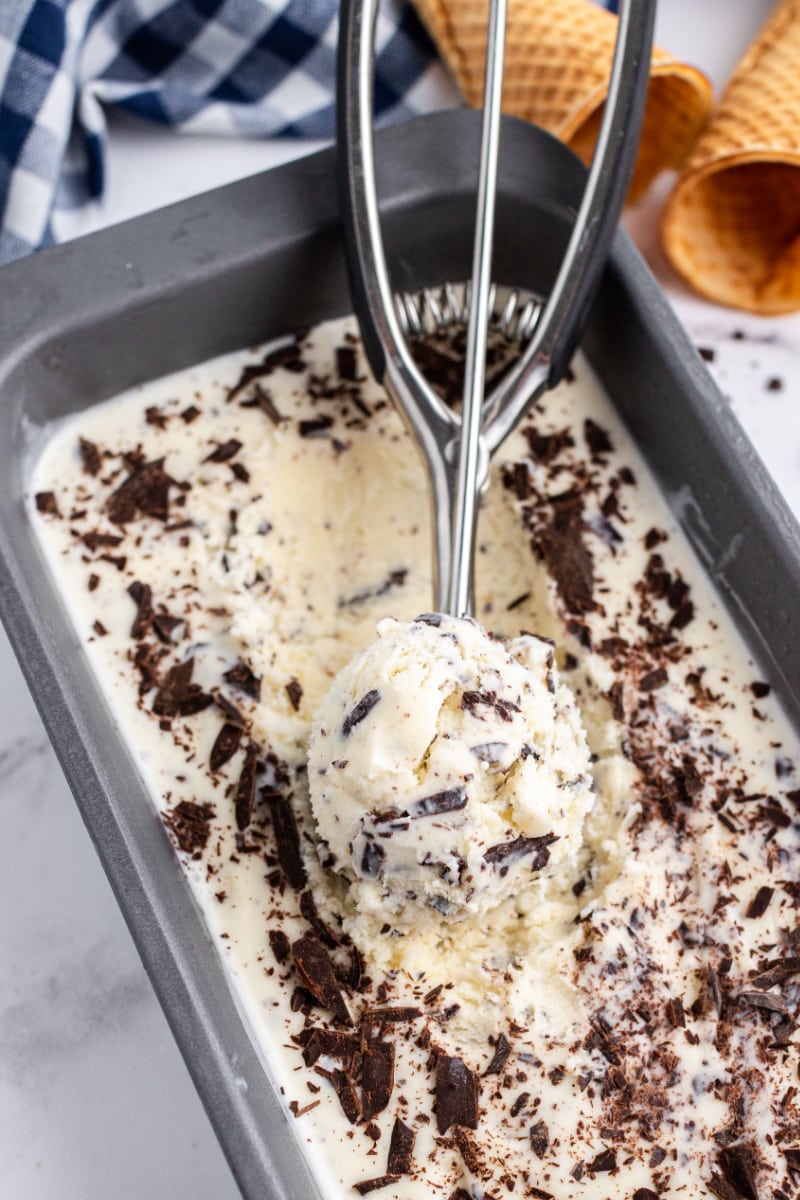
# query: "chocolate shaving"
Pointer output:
{"type": "Point", "coordinates": [314, 427]}
{"type": "Point", "coordinates": [675, 1013]}
{"type": "Point", "coordinates": [507, 853]}
{"type": "Point", "coordinates": [309, 910]}
{"type": "Point", "coordinates": [94, 540]}
{"type": "Point", "coordinates": [570, 562]}
{"type": "Point", "coordinates": [490, 752]}
{"type": "Point", "coordinates": [764, 1000]}
{"type": "Point", "coordinates": [47, 504]}
{"type": "Point", "coordinates": [392, 1016]}
{"type": "Point", "coordinates": [224, 452]}
{"type": "Point", "coordinates": [450, 800]}
{"type": "Point", "coordinates": [280, 944]}
{"type": "Point", "coordinates": [360, 711]}
{"type": "Point", "coordinates": [652, 680]}
{"type": "Point", "coordinates": [316, 974]}
{"type": "Point", "coordinates": [373, 1185]}
{"type": "Point", "coordinates": [263, 400]}
{"type": "Point", "coordinates": [504, 708]}
{"type": "Point", "coordinates": [287, 841]}
{"type": "Point", "coordinates": [401, 1149]}
{"type": "Point", "coordinates": [597, 439]}
{"type": "Point", "coordinates": [189, 824]}
{"type": "Point", "coordinates": [225, 746]}
{"type": "Point", "coordinates": [242, 677]}
{"type": "Point", "coordinates": [288, 357]}
{"type": "Point", "coordinates": [545, 447]}
{"type": "Point", "coordinates": [456, 1094]}
{"type": "Point", "coordinates": [142, 596]}
{"type": "Point", "coordinates": [539, 1138]}
{"type": "Point", "coordinates": [760, 902]}
{"type": "Point", "coordinates": [246, 788]}
{"type": "Point", "coordinates": [90, 456]}
{"type": "Point", "coordinates": [345, 1087]}
{"type": "Point", "coordinates": [346, 363]}
{"type": "Point", "coordinates": [294, 690]}
{"type": "Point", "coordinates": [145, 491]}
{"type": "Point", "coordinates": [372, 859]}
{"type": "Point", "coordinates": [606, 1160]}
{"type": "Point", "coordinates": [377, 1078]}
{"type": "Point", "coordinates": [190, 414]}
{"type": "Point", "coordinates": [164, 626]}
{"type": "Point", "coordinates": [737, 1164]}
{"type": "Point", "coordinates": [177, 696]}
{"type": "Point", "coordinates": [329, 1042]}
{"type": "Point", "coordinates": [502, 1049]}
{"type": "Point", "coordinates": [232, 714]}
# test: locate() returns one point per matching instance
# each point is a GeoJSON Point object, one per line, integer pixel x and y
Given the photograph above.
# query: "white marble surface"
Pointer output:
{"type": "Point", "coordinates": [95, 1101]}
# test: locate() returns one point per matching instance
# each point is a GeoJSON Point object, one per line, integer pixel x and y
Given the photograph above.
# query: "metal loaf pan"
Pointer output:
{"type": "Point", "coordinates": [81, 322]}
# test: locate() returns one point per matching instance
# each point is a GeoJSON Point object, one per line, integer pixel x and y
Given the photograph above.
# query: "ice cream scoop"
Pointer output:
{"type": "Point", "coordinates": [447, 769]}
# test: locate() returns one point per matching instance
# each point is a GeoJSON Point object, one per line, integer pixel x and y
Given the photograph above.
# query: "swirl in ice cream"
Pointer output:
{"type": "Point", "coordinates": [447, 769]}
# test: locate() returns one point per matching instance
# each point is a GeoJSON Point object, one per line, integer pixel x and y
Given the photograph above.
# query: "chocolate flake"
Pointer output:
{"type": "Point", "coordinates": [345, 1087]}
{"type": "Point", "coordinates": [309, 910]}
{"type": "Point", "coordinates": [597, 438]}
{"type": "Point", "coordinates": [507, 853]}
{"type": "Point", "coordinates": [242, 677]}
{"type": "Point", "coordinates": [372, 859]}
{"type": "Point", "coordinates": [90, 456]}
{"type": "Point", "coordinates": [738, 1168]}
{"type": "Point", "coordinates": [315, 427]}
{"type": "Point", "coordinates": [280, 944]}
{"type": "Point", "coordinates": [47, 504]}
{"type": "Point", "coordinates": [401, 1149]}
{"type": "Point", "coordinates": [224, 452]}
{"type": "Point", "coordinates": [142, 596]}
{"type": "Point", "coordinates": [606, 1160]}
{"type": "Point", "coordinates": [189, 824]}
{"type": "Point", "coordinates": [294, 690]}
{"type": "Point", "coordinates": [263, 400]}
{"type": "Point", "coordinates": [490, 752]}
{"type": "Point", "coordinates": [502, 1049]}
{"type": "Point", "coordinates": [316, 974]}
{"type": "Point", "coordinates": [225, 746]}
{"type": "Point", "coordinates": [760, 902]}
{"type": "Point", "coordinates": [145, 492]}
{"type": "Point", "coordinates": [246, 788]}
{"type": "Point", "coordinates": [94, 540]}
{"type": "Point", "coordinates": [539, 1138]}
{"type": "Point", "coordinates": [373, 1185]}
{"type": "Point", "coordinates": [561, 545]}
{"type": "Point", "coordinates": [450, 800]}
{"type": "Point", "coordinates": [346, 363]}
{"type": "Point", "coordinates": [360, 711]}
{"type": "Point", "coordinates": [652, 680]}
{"type": "Point", "coordinates": [456, 1094]}
{"type": "Point", "coordinates": [333, 1043]}
{"type": "Point", "coordinates": [287, 840]}
{"type": "Point", "coordinates": [177, 696]}
{"type": "Point", "coordinates": [377, 1078]}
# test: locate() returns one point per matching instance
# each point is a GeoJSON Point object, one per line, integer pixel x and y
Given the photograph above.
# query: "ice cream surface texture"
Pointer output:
{"type": "Point", "coordinates": [446, 769]}
{"type": "Point", "coordinates": [226, 542]}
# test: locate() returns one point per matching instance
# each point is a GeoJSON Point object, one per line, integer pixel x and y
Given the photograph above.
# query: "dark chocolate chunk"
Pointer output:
{"type": "Point", "coordinates": [645, 1194]}
{"type": "Point", "coordinates": [47, 504]}
{"type": "Point", "coordinates": [316, 974]}
{"type": "Point", "coordinates": [675, 1013]}
{"type": "Point", "coordinates": [450, 800]}
{"type": "Point", "coordinates": [597, 438]}
{"type": "Point", "coordinates": [145, 492]}
{"type": "Point", "coordinates": [280, 944]}
{"type": "Point", "coordinates": [683, 616]}
{"type": "Point", "coordinates": [652, 680]}
{"type": "Point", "coordinates": [540, 1138]}
{"type": "Point", "coordinates": [240, 472]}
{"type": "Point", "coordinates": [90, 456]}
{"type": "Point", "coordinates": [189, 824]}
{"type": "Point", "coordinates": [225, 746]}
{"type": "Point", "coordinates": [365, 1186]}
{"type": "Point", "coordinates": [428, 619]}
{"type": "Point", "coordinates": [288, 357]}
{"type": "Point", "coordinates": [360, 711]}
{"type": "Point", "coordinates": [393, 1016]}
{"type": "Point", "coordinates": [142, 596]}
{"type": "Point", "coordinates": [764, 1000]}
{"type": "Point", "coordinates": [333, 1043]}
{"type": "Point", "coordinates": [738, 1168]}
{"type": "Point", "coordinates": [502, 1049]}
{"type": "Point", "coordinates": [232, 714]}
{"type": "Point", "coordinates": [723, 1190]}
{"type": "Point", "coordinates": [471, 701]}
{"type": "Point", "coordinates": [94, 540]}
{"type": "Point", "coordinates": [760, 902]}
{"type": "Point", "coordinates": [519, 1104]}
{"type": "Point", "coordinates": [242, 677]}
{"type": "Point", "coordinates": [190, 414]}
{"type": "Point", "coordinates": [177, 696]}
{"type": "Point", "coordinates": [606, 1160]}
{"type": "Point", "coordinates": [263, 400]}
{"type": "Point", "coordinates": [346, 363]}
{"type": "Point", "coordinates": [377, 1078]}
{"type": "Point", "coordinates": [294, 690]}
{"type": "Point", "coordinates": [518, 601]}
{"type": "Point", "coordinates": [760, 690]}
{"type": "Point", "coordinates": [246, 788]}
{"type": "Point", "coordinates": [456, 1094]}
{"type": "Point", "coordinates": [401, 1149]}
{"type": "Point", "coordinates": [287, 841]}
{"type": "Point", "coordinates": [561, 545]}
{"type": "Point", "coordinates": [164, 626]}
{"type": "Point", "coordinates": [506, 853]}
{"type": "Point", "coordinates": [314, 427]}
{"type": "Point", "coordinates": [372, 859]}
{"type": "Point", "coordinates": [545, 447]}
{"type": "Point", "coordinates": [776, 972]}
{"type": "Point", "coordinates": [345, 1087]}
{"type": "Point", "coordinates": [224, 452]}
{"type": "Point", "coordinates": [707, 353]}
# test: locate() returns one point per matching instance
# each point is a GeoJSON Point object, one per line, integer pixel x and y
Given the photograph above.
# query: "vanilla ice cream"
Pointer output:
{"type": "Point", "coordinates": [446, 769]}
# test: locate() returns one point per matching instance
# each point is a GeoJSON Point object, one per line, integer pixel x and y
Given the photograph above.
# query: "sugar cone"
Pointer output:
{"type": "Point", "coordinates": [732, 226]}
{"type": "Point", "coordinates": [557, 65]}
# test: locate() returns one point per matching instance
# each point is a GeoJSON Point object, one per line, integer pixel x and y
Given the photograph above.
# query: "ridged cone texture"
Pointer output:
{"type": "Point", "coordinates": [732, 226]}
{"type": "Point", "coordinates": [557, 66]}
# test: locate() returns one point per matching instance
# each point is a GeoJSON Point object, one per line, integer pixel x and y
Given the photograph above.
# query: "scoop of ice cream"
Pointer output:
{"type": "Point", "coordinates": [447, 769]}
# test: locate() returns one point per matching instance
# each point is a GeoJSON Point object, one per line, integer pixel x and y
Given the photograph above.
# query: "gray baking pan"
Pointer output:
{"type": "Point", "coordinates": [81, 322]}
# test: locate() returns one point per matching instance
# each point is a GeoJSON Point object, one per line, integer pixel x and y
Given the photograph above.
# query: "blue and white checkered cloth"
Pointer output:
{"type": "Point", "coordinates": [263, 68]}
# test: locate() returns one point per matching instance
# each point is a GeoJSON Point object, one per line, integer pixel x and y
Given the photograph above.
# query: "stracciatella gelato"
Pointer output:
{"type": "Point", "coordinates": [447, 769]}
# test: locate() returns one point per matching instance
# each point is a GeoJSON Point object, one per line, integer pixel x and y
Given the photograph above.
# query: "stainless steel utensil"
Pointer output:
{"type": "Point", "coordinates": [457, 449]}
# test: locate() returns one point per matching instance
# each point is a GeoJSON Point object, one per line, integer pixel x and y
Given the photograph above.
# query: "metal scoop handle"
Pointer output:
{"type": "Point", "coordinates": [435, 427]}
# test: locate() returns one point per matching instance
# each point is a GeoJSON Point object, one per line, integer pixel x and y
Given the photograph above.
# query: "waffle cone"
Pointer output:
{"type": "Point", "coordinates": [732, 226]}
{"type": "Point", "coordinates": [557, 65]}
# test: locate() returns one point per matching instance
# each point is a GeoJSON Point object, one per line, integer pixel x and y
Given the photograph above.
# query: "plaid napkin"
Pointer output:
{"type": "Point", "coordinates": [263, 68]}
